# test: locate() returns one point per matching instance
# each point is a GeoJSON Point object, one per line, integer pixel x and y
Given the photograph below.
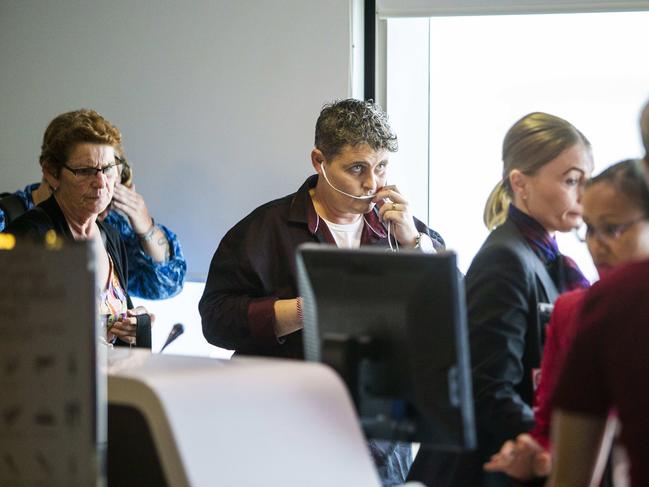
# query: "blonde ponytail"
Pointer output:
{"type": "Point", "coordinates": [495, 210]}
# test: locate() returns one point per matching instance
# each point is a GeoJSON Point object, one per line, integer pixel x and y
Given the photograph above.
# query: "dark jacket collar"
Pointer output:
{"type": "Point", "coordinates": [301, 210]}
{"type": "Point", "coordinates": [110, 236]}
{"type": "Point", "coordinates": [52, 208]}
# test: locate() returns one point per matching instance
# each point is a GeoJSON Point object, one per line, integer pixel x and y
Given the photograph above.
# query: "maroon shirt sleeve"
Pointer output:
{"type": "Point", "coordinates": [261, 321]}
{"type": "Point", "coordinates": [559, 336]}
{"type": "Point", "coordinates": [581, 387]}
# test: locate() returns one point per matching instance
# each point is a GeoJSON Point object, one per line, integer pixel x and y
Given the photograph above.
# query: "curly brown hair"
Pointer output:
{"type": "Point", "coordinates": [72, 128]}
{"type": "Point", "coordinates": [353, 122]}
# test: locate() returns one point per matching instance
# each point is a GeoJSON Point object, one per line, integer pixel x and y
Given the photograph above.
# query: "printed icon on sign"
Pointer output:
{"type": "Point", "coordinates": [72, 413]}
{"type": "Point", "coordinates": [10, 415]}
{"type": "Point", "coordinates": [44, 418]}
{"type": "Point", "coordinates": [42, 462]}
{"type": "Point", "coordinates": [10, 366]}
{"type": "Point", "coordinates": [43, 362]}
{"type": "Point", "coordinates": [10, 462]}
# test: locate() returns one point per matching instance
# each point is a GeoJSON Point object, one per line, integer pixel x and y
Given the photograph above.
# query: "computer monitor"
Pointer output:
{"type": "Point", "coordinates": [393, 325]}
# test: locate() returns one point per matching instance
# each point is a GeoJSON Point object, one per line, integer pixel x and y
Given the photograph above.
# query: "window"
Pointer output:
{"type": "Point", "coordinates": [454, 85]}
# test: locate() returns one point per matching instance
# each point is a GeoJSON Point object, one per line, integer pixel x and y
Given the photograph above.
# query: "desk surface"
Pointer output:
{"type": "Point", "coordinates": [244, 422]}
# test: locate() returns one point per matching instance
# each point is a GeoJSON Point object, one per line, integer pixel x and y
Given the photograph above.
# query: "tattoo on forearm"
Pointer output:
{"type": "Point", "coordinates": [162, 242]}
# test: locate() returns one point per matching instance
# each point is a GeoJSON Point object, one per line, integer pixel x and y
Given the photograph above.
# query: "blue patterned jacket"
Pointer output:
{"type": "Point", "coordinates": [147, 279]}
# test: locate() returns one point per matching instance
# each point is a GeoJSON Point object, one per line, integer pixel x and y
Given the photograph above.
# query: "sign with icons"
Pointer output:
{"type": "Point", "coordinates": [50, 429]}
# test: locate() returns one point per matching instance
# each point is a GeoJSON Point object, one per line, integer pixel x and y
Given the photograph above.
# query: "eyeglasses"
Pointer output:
{"type": "Point", "coordinates": [610, 231]}
{"type": "Point", "coordinates": [109, 171]}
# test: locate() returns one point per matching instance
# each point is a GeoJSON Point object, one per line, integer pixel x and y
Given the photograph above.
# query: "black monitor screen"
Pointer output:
{"type": "Point", "coordinates": [393, 325]}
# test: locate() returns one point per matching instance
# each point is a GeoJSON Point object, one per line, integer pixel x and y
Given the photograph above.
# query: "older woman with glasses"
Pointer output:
{"type": "Point", "coordinates": [616, 230]}
{"type": "Point", "coordinates": [81, 166]}
{"type": "Point", "coordinates": [155, 258]}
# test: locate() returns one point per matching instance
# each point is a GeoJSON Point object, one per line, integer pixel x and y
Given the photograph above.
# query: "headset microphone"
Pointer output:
{"type": "Point", "coordinates": [367, 197]}
{"type": "Point", "coordinates": [324, 173]}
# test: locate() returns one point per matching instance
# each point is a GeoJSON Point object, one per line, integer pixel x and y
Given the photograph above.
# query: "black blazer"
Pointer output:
{"type": "Point", "coordinates": [504, 287]}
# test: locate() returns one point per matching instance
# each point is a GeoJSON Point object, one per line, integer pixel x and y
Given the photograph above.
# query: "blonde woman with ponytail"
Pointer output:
{"type": "Point", "coordinates": [511, 285]}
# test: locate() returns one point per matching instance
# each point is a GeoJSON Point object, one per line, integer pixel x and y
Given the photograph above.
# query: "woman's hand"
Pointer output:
{"type": "Point", "coordinates": [132, 204]}
{"type": "Point", "coordinates": [522, 459]}
{"type": "Point", "coordinates": [153, 240]}
{"type": "Point", "coordinates": [125, 328]}
{"type": "Point", "coordinates": [396, 210]}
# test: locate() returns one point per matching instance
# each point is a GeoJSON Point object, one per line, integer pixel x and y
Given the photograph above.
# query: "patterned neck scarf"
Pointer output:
{"type": "Point", "coordinates": [563, 270]}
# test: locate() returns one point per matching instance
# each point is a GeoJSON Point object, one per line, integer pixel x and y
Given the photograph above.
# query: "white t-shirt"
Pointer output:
{"type": "Point", "coordinates": [347, 236]}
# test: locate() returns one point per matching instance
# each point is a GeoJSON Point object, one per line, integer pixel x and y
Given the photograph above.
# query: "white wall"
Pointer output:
{"type": "Point", "coordinates": [216, 100]}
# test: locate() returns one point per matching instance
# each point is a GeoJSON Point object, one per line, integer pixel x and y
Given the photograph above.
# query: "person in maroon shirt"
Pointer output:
{"type": "Point", "coordinates": [606, 368]}
{"type": "Point", "coordinates": [617, 232]}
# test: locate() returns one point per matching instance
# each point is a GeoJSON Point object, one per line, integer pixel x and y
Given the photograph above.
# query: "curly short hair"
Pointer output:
{"type": "Point", "coordinates": [72, 128]}
{"type": "Point", "coordinates": [353, 122]}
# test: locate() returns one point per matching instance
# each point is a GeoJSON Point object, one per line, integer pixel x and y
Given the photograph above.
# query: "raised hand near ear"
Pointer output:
{"type": "Point", "coordinates": [152, 238]}
{"type": "Point", "coordinates": [132, 204]}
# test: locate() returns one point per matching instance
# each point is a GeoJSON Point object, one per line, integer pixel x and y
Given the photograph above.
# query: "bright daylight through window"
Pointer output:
{"type": "Point", "coordinates": [456, 84]}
